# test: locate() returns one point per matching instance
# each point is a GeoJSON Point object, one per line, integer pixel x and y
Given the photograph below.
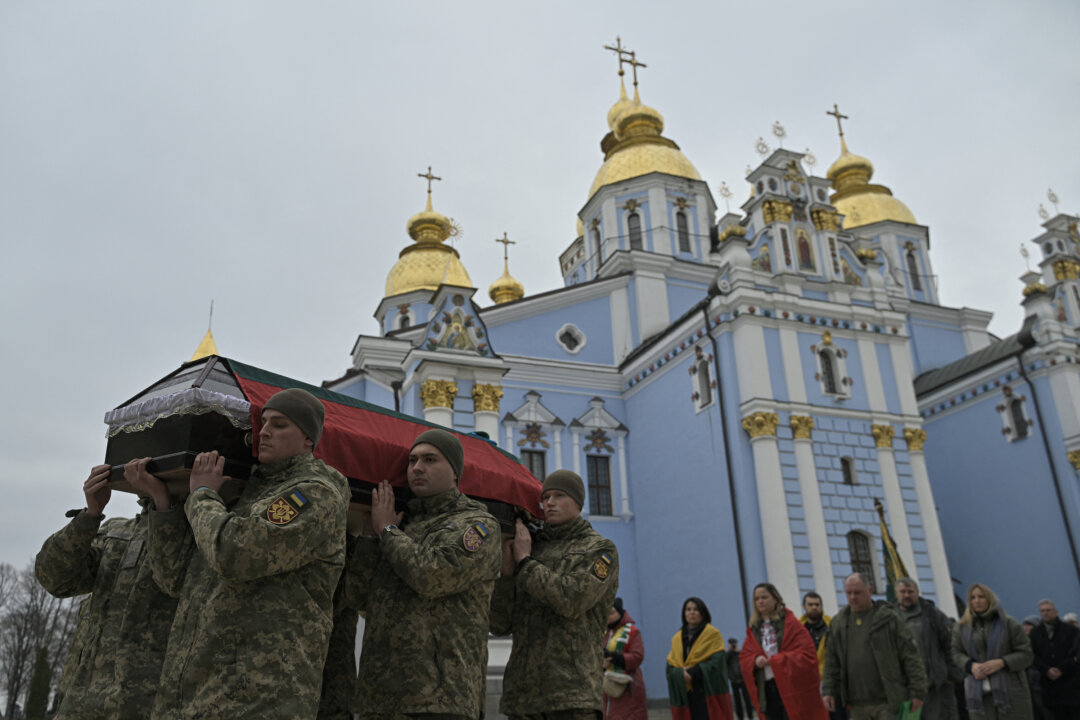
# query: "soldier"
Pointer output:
{"type": "Point", "coordinates": [554, 596]}
{"type": "Point", "coordinates": [113, 665]}
{"type": "Point", "coordinates": [256, 581]}
{"type": "Point", "coordinates": [425, 588]}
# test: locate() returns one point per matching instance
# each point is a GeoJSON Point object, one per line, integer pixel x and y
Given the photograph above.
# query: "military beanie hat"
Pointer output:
{"type": "Point", "coordinates": [448, 444]}
{"type": "Point", "coordinates": [303, 408]}
{"type": "Point", "coordinates": [569, 482]}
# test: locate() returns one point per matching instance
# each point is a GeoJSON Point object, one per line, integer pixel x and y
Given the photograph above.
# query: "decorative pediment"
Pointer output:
{"type": "Point", "coordinates": [455, 325]}
{"type": "Point", "coordinates": [533, 411]}
{"type": "Point", "coordinates": [597, 417]}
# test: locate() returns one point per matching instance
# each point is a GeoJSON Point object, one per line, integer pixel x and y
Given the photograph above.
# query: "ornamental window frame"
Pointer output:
{"type": "Point", "coordinates": [1015, 422]}
{"type": "Point", "coordinates": [575, 332]}
{"type": "Point", "coordinates": [867, 566]}
{"type": "Point", "coordinates": [682, 230]}
{"type": "Point", "coordinates": [702, 382]}
{"type": "Point", "coordinates": [831, 362]}
{"type": "Point", "coordinates": [598, 433]}
{"type": "Point", "coordinates": [802, 241]}
{"type": "Point", "coordinates": [599, 490]}
{"type": "Point", "coordinates": [636, 239]}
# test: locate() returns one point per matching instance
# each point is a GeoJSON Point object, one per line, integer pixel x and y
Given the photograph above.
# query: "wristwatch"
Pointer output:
{"type": "Point", "coordinates": [388, 528]}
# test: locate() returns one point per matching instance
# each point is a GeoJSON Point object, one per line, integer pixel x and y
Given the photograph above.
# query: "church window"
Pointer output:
{"type": "Point", "coordinates": [828, 372]}
{"type": "Point", "coordinates": [847, 469]}
{"type": "Point", "coordinates": [1076, 296]}
{"type": "Point", "coordinates": [835, 259]}
{"type": "Point", "coordinates": [806, 259]}
{"type": "Point", "coordinates": [596, 241]}
{"type": "Point", "coordinates": [703, 383]}
{"type": "Point", "coordinates": [862, 559]}
{"type": "Point", "coordinates": [760, 187]}
{"type": "Point", "coordinates": [821, 195]}
{"type": "Point", "coordinates": [913, 270]}
{"type": "Point", "coordinates": [786, 245]}
{"type": "Point", "coordinates": [633, 226]}
{"type": "Point", "coordinates": [570, 338]}
{"type": "Point", "coordinates": [536, 461]}
{"type": "Point", "coordinates": [683, 230]}
{"type": "Point", "coordinates": [1061, 246]}
{"type": "Point", "coordinates": [1048, 248]}
{"type": "Point", "coordinates": [772, 184]}
{"type": "Point", "coordinates": [403, 321]}
{"type": "Point", "coordinates": [599, 471]}
{"type": "Point", "coordinates": [1019, 421]}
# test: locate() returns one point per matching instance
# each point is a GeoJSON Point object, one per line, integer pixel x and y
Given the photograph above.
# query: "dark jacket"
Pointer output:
{"type": "Point", "coordinates": [1055, 652]}
{"type": "Point", "coordinates": [1016, 656]}
{"type": "Point", "coordinates": [894, 650]}
{"type": "Point", "coordinates": [935, 643]}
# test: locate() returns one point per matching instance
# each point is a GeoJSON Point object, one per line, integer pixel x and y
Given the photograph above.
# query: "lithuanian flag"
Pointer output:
{"type": "Point", "coordinates": [707, 653]}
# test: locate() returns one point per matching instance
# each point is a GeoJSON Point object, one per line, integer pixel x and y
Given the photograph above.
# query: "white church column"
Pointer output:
{"type": "Point", "coordinates": [624, 484]}
{"type": "Point", "coordinates": [486, 409]}
{"type": "Point", "coordinates": [438, 398]}
{"type": "Point", "coordinates": [894, 500]}
{"type": "Point", "coordinates": [935, 544]}
{"type": "Point", "coordinates": [820, 557]}
{"type": "Point", "coordinates": [557, 464]}
{"type": "Point", "coordinates": [772, 503]}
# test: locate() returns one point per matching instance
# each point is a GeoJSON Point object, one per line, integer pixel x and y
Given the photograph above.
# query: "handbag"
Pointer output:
{"type": "Point", "coordinates": [616, 683]}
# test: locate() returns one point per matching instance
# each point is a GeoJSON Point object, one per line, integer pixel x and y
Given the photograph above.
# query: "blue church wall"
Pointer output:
{"type": "Point", "coordinates": [775, 359]}
{"type": "Point", "coordinates": [463, 406]}
{"type": "Point", "coordinates": [631, 299]}
{"type": "Point", "coordinates": [988, 491]}
{"type": "Point", "coordinates": [815, 295]}
{"type": "Point", "coordinates": [682, 296]}
{"type": "Point", "coordinates": [535, 336]}
{"type": "Point", "coordinates": [934, 344]}
{"type": "Point", "coordinates": [800, 539]}
{"type": "Point", "coordinates": [887, 372]}
{"type": "Point", "coordinates": [683, 516]}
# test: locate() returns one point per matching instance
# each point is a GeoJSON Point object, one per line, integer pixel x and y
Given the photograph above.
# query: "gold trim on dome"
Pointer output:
{"type": "Point", "coordinates": [776, 211]}
{"type": "Point", "coordinates": [486, 398]}
{"type": "Point", "coordinates": [825, 219]}
{"type": "Point", "coordinates": [915, 438]}
{"type": "Point", "coordinates": [761, 424]}
{"type": "Point", "coordinates": [731, 231]}
{"type": "Point", "coordinates": [801, 426]}
{"type": "Point", "coordinates": [438, 393]}
{"type": "Point", "coordinates": [883, 435]}
{"type": "Point", "coordinates": [641, 158]}
{"type": "Point", "coordinates": [1034, 288]}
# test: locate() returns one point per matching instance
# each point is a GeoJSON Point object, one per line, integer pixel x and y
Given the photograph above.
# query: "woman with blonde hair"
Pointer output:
{"type": "Point", "coordinates": [779, 661]}
{"type": "Point", "coordinates": [994, 652]}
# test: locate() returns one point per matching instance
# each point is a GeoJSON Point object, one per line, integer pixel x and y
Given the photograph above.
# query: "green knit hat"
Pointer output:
{"type": "Point", "coordinates": [569, 482]}
{"type": "Point", "coordinates": [303, 408]}
{"type": "Point", "coordinates": [448, 444]}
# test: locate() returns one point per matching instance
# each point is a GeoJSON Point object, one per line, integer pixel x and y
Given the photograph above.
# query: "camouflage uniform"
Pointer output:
{"type": "Point", "coordinates": [339, 673]}
{"type": "Point", "coordinates": [256, 587]}
{"type": "Point", "coordinates": [556, 606]}
{"type": "Point", "coordinates": [426, 590]}
{"type": "Point", "coordinates": [113, 665]}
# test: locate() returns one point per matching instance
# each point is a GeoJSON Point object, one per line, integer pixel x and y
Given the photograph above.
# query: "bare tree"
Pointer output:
{"type": "Point", "coordinates": [30, 619]}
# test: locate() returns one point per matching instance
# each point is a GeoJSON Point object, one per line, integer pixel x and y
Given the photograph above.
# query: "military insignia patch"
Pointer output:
{"type": "Point", "coordinates": [474, 537]}
{"type": "Point", "coordinates": [602, 566]}
{"type": "Point", "coordinates": [281, 512]}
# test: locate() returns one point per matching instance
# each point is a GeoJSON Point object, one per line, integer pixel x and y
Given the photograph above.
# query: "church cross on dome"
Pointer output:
{"type": "Point", "coordinates": [633, 61]}
{"type": "Point", "coordinates": [506, 243]}
{"type": "Point", "coordinates": [429, 177]}
{"type": "Point", "coordinates": [836, 114]}
{"type": "Point", "coordinates": [619, 51]}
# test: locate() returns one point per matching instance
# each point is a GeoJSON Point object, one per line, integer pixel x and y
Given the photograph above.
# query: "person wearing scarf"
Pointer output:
{"type": "Point", "coordinates": [696, 668]}
{"type": "Point", "coordinates": [623, 653]}
{"type": "Point", "coordinates": [779, 661]}
{"type": "Point", "coordinates": [994, 651]}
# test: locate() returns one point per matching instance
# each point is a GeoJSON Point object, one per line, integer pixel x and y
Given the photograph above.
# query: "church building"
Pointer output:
{"type": "Point", "coordinates": [738, 392]}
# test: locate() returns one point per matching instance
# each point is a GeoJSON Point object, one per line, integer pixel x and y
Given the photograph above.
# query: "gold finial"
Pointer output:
{"type": "Point", "coordinates": [506, 243]}
{"type": "Point", "coordinates": [429, 177]}
{"type": "Point", "coordinates": [207, 346]}
{"type": "Point", "coordinates": [1053, 198]}
{"type": "Point", "coordinates": [634, 65]}
{"type": "Point", "coordinates": [779, 131]}
{"type": "Point", "coordinates": [725, 192]}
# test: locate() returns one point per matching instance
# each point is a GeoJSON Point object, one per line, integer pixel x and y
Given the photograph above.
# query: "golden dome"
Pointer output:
{"type": "Point", "coordinates": [428, 262]}
{"type": "Point", "coordinates": [859, 201]}
{"type": "Point", "coordinates": [506, 288]}
{"type": "Point", "coordinates": [621, 104]}
{"type": "Point", "coordinates": [635, 147]}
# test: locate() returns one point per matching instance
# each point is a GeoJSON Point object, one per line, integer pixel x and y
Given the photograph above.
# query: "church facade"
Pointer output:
{"type": "Point", "coordinates": [740, 393]}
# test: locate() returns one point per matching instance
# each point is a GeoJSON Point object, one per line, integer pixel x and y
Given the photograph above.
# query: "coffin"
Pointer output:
{"type": "Point", "coordinates": [215, 403]}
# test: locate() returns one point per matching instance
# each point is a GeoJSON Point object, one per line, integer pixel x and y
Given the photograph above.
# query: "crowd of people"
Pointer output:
{"type": "Point", "coordinates": [199, 607]}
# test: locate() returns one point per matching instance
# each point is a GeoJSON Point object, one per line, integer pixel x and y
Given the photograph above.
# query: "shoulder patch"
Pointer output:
{"type": "Point", "coordinates": [285, 509]}
{"type": "Point", "coordinates": [602, 567]}
{"type": "Point", "coordinates": [474, 537]}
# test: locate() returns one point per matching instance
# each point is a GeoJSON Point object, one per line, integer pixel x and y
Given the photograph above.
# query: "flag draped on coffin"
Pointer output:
{"type": "Point", "coordinates": [369, 443]}
{"type": "Point", "coordinates": [894, 565]}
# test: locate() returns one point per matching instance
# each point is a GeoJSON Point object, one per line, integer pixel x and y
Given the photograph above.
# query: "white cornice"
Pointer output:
{"type": "Point", "coordinates": [528, 370]}
{"type": "Point", "coordinates": [753, 405]}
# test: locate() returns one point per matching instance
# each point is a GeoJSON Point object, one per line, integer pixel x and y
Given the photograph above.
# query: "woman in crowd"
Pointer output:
{"type": "Point", "coordinates": [624, 687]}
{"type": "Point", "coordinates": [779, 661]}
{"type": "Point", "coordinates": [696, 668]}
{"type": "Point", "coordinates": [994, 652]}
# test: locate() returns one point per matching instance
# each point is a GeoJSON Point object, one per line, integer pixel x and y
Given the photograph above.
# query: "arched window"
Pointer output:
{"type": "Point", "coordinates": [847, 469]}
{"type": "Point", "coordinates": [403, 321]}
{"type": "Point", "coordinates": [828, 372]}
{"type": "Point", "coordinates": [633, 226]}
{"type": "Point", "coordinates": [862, 561]}
{"type": "Point", "coordinates": [1019, 422]}
{"type": "Point", "coordinates": [684, 231]}
{"type": "Point", "coordinates": [913, 271]}
{"type": "Point", "coordinates": [806, 260]}
{"type": "Point", "coordinates": [704, 383]}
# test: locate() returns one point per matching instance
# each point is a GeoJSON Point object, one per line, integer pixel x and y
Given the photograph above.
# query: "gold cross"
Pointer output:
{"type": "Point", "coordinates": [681, 203]}
{"type": "Point", "coordinates": [618, 50]}
{"type": "Point", "coordinates": [429, 177]}
{"type": "Point", "coordinates": [633, 61]}
{"type": "Point", "coordinates": [506, 242]}
{"type": "Point", "coordinates": [836, 114]}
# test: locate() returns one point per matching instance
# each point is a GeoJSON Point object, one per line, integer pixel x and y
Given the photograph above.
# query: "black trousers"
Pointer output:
{"type": "Point", "coordinates": [740, 700]}
{"type": "Point", "coordinates": [774, 706]}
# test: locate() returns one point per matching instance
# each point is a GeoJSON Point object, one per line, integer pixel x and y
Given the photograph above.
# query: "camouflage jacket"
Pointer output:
{"type": "Point", "coordinates": [113, 665]}
{"type": "Point", "coordinates": [256, 585]}
{"type": "Point", "coordinates": [339, 673]}
{"type": "Point", "coordinates": [556, 606]}
{"type": "Point", "coordinates": [426, 590]}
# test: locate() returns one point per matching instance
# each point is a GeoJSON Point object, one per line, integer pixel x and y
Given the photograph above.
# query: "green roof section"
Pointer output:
{"type": "Point", "coordinates": [991, 354]}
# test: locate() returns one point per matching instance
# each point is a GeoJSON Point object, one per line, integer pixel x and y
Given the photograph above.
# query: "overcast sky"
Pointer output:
{"type": "Point", "coordinates": [263, 154]}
